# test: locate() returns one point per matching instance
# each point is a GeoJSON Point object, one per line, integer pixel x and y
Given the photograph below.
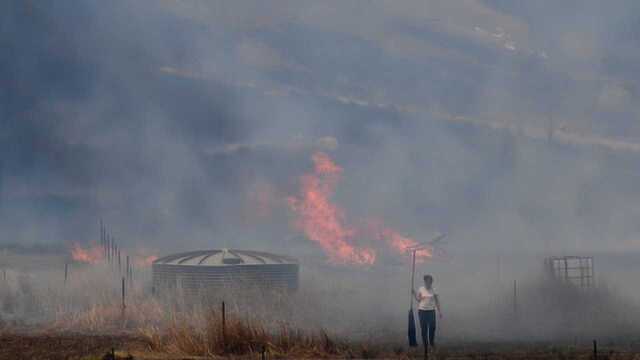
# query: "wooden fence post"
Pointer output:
{"type": "Point", "coordinates": [123, 296]}
{"type": "Point", "coordinates": [224, 325]}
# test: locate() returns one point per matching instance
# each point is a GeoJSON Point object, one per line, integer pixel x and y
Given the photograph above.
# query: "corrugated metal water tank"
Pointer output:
{"type": "Point", "coordinates": [215, 269]}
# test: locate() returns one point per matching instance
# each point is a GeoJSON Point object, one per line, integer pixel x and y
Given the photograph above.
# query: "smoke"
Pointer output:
{"type": "Point", "coordinates": [187, 125]}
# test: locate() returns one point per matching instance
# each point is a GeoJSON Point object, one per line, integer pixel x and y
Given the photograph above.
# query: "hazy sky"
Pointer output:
{"type": "Point", "coordinates": [166, 118]}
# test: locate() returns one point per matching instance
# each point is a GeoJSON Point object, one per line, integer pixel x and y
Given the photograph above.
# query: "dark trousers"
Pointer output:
{"type": "Point", "coordinates": [427, 326]}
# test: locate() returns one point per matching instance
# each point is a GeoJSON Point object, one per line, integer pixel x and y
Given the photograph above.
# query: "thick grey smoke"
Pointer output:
{"type": "Point", "coordinates": [119, 112]}
{"type": "Point", "coordinates": [185, 124]}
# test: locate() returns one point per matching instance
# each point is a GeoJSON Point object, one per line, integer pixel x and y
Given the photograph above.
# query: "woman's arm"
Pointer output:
{"type": "Point", "coordinates": [435, 296]}
{"type": "Point", "coordinates": [416, 295]}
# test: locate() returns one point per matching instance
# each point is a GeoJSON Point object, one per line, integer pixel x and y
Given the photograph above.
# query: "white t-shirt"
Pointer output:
{"type": "Point", "coordinates": [428, 299]}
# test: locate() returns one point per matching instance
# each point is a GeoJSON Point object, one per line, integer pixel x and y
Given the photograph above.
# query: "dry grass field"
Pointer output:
{"type": "Point", "coordinates": [42, 317]}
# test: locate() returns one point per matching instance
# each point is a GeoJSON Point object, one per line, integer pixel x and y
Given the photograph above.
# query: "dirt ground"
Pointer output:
{"type": "Point", "coordinates": [88, 347]}
{"type": "Point", "coordinates": [66, 346]}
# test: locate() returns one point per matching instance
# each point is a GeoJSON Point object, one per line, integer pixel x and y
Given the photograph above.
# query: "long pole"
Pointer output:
{"type": "Point", "coordinates": [413, 273]}
{"type": "Point", "coordinates": [66, 272]}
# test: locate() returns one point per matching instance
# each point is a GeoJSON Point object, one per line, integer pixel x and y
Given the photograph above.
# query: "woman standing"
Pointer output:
{"type": "Point", "coordinates": [428, 305]}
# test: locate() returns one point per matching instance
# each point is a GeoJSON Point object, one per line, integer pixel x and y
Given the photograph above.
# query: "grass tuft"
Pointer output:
{"type": "Point", "coordinates": [183, 336]}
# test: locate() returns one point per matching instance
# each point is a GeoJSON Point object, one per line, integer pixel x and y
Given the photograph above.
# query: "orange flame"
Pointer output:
{"type": "Point", "coordinates": [91, 255]}
{"type": "Point", "coordinates": [401, 244]}
{"type": "Point", "coordinates": [325, 223]}
{"type": "Point", "coordinates": [145, 260]}
{"type": "Point", "coordinates": [321, 220]}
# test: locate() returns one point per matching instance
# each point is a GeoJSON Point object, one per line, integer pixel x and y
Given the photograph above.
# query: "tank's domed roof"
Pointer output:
{"type": "Point", "coordinates": [224, 257]}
